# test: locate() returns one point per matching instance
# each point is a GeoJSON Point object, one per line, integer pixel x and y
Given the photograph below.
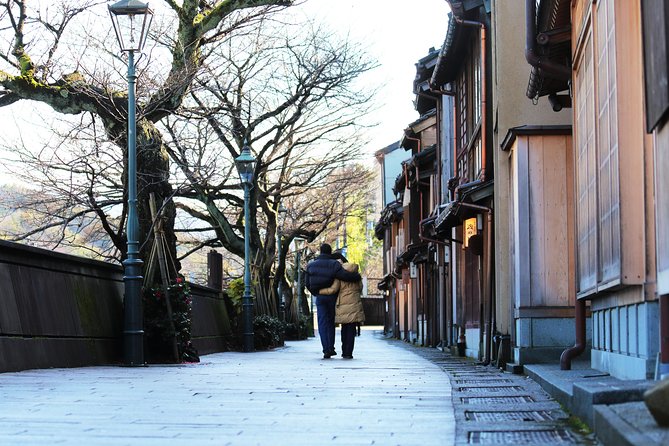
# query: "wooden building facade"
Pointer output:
{"type": "Point", "coordinates": [655, 26]}
{"type": "Point", "coordinates": [613, 203]}
{"type": "Point", "coordinates": [534, 211]}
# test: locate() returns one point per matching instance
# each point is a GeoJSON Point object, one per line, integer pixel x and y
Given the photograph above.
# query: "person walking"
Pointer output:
{"type": "Point", "coordinates": [321, 274]}
{"type": "Point", "coordinates": [348, 310]}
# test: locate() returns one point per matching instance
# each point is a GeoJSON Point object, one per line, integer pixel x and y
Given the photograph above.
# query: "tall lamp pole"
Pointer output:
{"type": "Point", "coordinates": [279, 288]}
{"type": "Point", "coordinates": [299, 245]}
{"type": "Point", "coordinates": [131, 20]}
{"type": "Point", "coordinates": [246, 165]}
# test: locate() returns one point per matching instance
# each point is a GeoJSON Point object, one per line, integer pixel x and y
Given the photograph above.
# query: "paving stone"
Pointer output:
{"type": "Point", "coordinates": [393, 393]}
{"type": "Point", "coordinates": [628, 424]}
{"type": "Point", "coordinates": [514, 409]}
{"type": "Point", "coordinates": [289, 396]}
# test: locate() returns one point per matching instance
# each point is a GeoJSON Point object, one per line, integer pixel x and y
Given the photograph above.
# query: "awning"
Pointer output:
{"type": "Point", "coordinates": [408, 255]}
{"type": "Point", "coordinates": [453, 213]}
{"type": "Point", "coordinates": [400, 181]}
{"type": "Point", "coordinates": [425, 100]}
{"type": "Point", "coordinates": [451, 55]}
{"type": "Point", "coordinates": [448, 217]}
{"type": "Point", "coordinates": [425, 158]}
{"type": "Point", "coordinates": [420, 257]}
{"type": "Point", "coordinates": [391, 213]}
{"type": "Point", "coordinates": [380, 230]}
{"type": "Point", "coordinates": [385, 283]}
{"type": "Point", "coordinates": [554, 46]}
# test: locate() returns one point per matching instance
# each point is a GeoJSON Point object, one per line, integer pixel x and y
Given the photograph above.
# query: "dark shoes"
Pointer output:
{"type": "Point", "coordinates": [332, 353]}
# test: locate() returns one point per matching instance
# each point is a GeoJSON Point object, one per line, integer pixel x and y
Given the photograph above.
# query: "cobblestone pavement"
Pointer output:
{"type": "Point", "coordinates": [386, 396]}
{"type": "Point", "coordinates": [492, 407]}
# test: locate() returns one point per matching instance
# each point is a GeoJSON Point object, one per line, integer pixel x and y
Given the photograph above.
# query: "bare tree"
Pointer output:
{"type": "Point", "coordinates": [55, 55]}
{"type": "Point", "coordinates": [75, 193]}
{"type": "Point", "coordinates": [294, 94]}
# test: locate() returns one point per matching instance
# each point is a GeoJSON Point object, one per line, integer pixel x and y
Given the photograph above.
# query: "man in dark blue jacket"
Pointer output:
{"type": "Point", "coordinates": [321, 273]}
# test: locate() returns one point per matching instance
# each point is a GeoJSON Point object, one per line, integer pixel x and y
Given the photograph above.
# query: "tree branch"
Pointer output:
{"type": "Point", "coordinates": [210, 20]}
{"type": "Point", "coordinates": [213, 243]}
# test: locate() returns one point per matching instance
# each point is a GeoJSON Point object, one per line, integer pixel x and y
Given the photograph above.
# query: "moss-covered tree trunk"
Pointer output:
{"type": "Point", "coordinates": [153, 178]}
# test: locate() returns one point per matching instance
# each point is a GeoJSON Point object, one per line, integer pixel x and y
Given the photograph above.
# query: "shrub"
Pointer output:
{"type": "Point", "coordinates": [235, 292]}
{"type": "Point", "coordinates": [268, 332]}
{"type": "Point", "coordinates": [299, 331]}
{"type": "Point", "coordinates": [157, 328]}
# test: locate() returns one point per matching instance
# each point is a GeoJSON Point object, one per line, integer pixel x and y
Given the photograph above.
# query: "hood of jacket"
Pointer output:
{"type": "Point", "coordinates": [351, 267]}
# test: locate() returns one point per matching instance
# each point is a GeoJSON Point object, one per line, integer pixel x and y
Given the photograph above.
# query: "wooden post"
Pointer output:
{"type": "Point", "coordinates": [162, 263]}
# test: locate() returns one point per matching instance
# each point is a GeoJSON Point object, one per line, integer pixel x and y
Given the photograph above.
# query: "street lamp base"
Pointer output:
{"type": "Point", "coordinates": [248, 343]}
{"type": "Point", "coordinates": [133, 348]}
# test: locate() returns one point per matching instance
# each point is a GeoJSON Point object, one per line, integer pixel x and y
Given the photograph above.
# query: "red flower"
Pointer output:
{"type": "Point", "coordinates": [179, 280]}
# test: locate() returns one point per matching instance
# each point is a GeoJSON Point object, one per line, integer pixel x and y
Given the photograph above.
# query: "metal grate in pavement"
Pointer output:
{"type": "Point", "coordinates": [553, 436]}
{"type": "Point", "coordinates": [498, 389]}
{"type": "Point", "coordinates": [490, 417]}
{"type": "Point", "coordinates": [497, 399]}
{"type": "Point", "coordinates": [466, 382]}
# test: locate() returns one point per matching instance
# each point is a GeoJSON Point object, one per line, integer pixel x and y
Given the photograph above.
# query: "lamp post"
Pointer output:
{"type": "Point", "coordinates": [299, 245]}
{"type": "Point", "coordinates": [131, 20]}
{"type": "Point", "coordinates": [246, 165]}
{"type": "Point", "coordinates": [279, 288]}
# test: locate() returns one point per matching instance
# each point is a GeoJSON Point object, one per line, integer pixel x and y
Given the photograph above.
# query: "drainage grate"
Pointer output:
{"type": "Point", "coordinates": [461, 367]}
{"type": "Point", "coordinates": [521, 437]}
{"type": "Point", "coordinates": [489, 389]}
{"type": "Point", "coordinates": [489, 417]}
{"type": "Point", "coordinates": [497, 399]}
{"type": "Point", "coordinates": [481, 381]}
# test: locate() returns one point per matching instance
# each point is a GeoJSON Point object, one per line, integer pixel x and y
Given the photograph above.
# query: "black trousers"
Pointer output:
{"type": "Point", "coordinates": [348, 332]}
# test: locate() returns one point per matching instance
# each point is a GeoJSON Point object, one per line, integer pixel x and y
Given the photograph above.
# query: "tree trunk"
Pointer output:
{"type": "Point", "coordinates": [153, 177]}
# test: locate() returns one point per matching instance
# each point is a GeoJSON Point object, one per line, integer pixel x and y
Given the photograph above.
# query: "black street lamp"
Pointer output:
{"type": "Point", "coordinates": [131, 20]}
{"type": "Point", "coordinates": [281, 215]}
{"type": "Point", "coordinates": [300, 244]}
{"type": "Point", "coordinates": [246, 165]}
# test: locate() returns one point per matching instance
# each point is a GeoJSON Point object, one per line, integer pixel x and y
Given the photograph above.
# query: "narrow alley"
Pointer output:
{"type": "Point", "coordinates": [392, 393]}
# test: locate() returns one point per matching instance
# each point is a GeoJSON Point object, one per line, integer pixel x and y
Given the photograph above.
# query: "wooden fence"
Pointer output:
{"type": "Point", "coordinates": [59, 310]}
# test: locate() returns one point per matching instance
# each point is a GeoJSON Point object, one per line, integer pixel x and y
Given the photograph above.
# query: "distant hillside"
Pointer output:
{"type": "Point", "coordinates": [17, 220]}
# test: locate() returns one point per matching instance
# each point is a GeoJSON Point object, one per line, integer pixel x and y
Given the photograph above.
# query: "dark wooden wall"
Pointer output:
{"type": "Point", "coordinates": [58, 310]}
{"type": "Point", "coordinates": [211, 324]}
{"type": "Point", "coordinates": [375, 310]}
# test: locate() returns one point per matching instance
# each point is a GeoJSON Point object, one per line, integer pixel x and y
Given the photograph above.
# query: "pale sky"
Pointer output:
{"type": "Point", "coordinates": [396, 33]}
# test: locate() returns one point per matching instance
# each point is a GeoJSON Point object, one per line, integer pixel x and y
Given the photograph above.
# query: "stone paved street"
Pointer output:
{"type": "Point", "coordinates": [387, 395]}
{"type": "Point", "coordinates": [492, 407]}
{"type": "Point", "coordinates": [392, 393]}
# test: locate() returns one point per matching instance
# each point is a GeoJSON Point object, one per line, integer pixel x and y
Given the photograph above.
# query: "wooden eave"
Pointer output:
{"type": "Point", "coordinates": [533, 130]}
{"type": "Point", "coordinates": [554, 44]}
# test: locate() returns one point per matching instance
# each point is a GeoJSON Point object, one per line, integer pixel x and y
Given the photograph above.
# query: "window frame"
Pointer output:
{"type": "Point", "coordinates": [468, 163]}
{"type": "Point", "coordinates": [597, 175]}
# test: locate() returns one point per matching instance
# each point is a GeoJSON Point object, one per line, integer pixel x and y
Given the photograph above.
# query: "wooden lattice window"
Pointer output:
{"type": "Point", "coordinates": [463, 109]}
{"type": "Point", "coordinates": [597, 181]}
{"type": "Point", "coordinates": [468, 104]}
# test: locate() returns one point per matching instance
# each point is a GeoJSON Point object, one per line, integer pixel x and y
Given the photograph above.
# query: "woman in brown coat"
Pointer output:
{"type": "Point", "coordinates": [348, 311]}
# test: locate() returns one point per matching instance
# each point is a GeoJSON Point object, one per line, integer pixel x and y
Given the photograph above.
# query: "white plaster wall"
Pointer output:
{"type": "Point", "coordinates": [511, 108]}
{"type": "Point", "coordinates": [472, 335]}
